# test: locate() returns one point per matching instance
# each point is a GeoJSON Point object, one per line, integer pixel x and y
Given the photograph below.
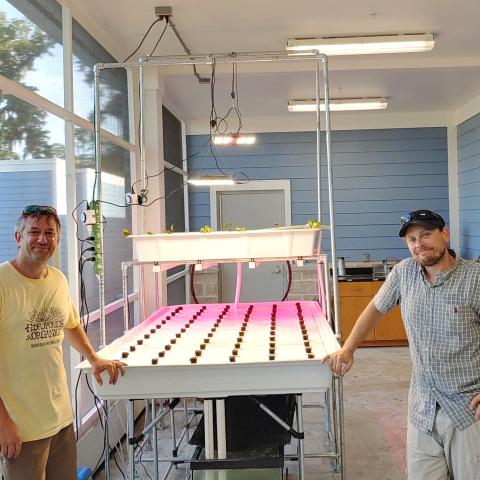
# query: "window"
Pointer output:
{"type": "Point", "coordinates": [113, 84]}
{"type": "Point", "coordinates": [32, 52]}
{"type": "Point", "coordinates": [174, 196]}
{"type": "Point", "coordinates": [32, 145]}
{"type": "Point", "coordinates": [32, 169]}
{"type": "Point", "coordinates": [116, 182]}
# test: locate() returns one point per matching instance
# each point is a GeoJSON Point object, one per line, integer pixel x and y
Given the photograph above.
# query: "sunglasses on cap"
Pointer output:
{"type": "Point", "coordinates": [419, 216]}
{"type": "Point", "coordinates": [424, 217]}
{"type": "Point", "coordinates": [32, 209]}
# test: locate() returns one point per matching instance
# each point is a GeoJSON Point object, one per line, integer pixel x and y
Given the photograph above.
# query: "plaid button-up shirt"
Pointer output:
{"type": "Point", "coordinates": [442, 321]}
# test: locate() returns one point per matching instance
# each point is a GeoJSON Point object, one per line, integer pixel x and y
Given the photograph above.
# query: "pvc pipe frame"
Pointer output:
{"type": "Point", "coordinates": [228, 58]}
{"type": "Point", "coordinates": [221, 58]}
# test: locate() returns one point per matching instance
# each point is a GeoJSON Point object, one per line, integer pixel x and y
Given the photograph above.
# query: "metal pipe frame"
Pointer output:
{"type": "Point", "coordinates": [157, 293]}
{"type": "Point", "coordinates": [208, 422]}
{"type": "Point", "coordinates": [187, 421]}
{"type": "Point", "coordinates": [174, 433]}
{"type": "Point", "coordinates": [130, 446]}
{"type": "Point", "coordinates": [126, 310]}
{"type": "Point", "coordinates": [218, 58]}
{"type": "Point", "coordinates": [226, 58]}
{"type": "Point", "coordinates": [221, 428]}
{"type": "Point", "coordinates": [155, 443]}
{"type": "Point", "coordinates": [98, 194]}
{"type": "Point", "coordinates": [300, 446]}
{"type": "Point", "coordinates": [341, 422]}
{"type": "Point", "coordinates": [184, 433]}
{"type": "Point", "coordinates": [158, 417]}
{"type": "Point", "coordinates": [148, 418]}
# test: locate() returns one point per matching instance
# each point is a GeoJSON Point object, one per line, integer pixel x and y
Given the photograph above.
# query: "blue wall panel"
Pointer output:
{"type": "Point", "coordinates": [378, 176]}
{"type": "Point", "coordinates": [468, 141]}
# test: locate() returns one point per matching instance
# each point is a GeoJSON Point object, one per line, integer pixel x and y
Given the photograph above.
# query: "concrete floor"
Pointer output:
{"type": "Point", "coordinates": [375, 404]}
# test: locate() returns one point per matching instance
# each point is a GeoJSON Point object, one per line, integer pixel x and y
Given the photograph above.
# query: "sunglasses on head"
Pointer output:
{"type": "Point", "coordinates": [420, 215]}
{"type": "Point", "coordinates": [32, 209]}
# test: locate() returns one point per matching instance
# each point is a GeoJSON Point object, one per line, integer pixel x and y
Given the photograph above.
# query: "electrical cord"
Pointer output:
{"type": "Point", "coordinates": [168, 169]}
{"type": "Point", "coordinates": [166, 196]}
{"type": "Point", "coordinates": [192, 285]}
{"type": "Point", "coordinates": [141, 462]}
{"type": "Point", "coordinates": [105, 446]}
{"type": "Point", "coordinates": [241, 182]}
{"type": "Point", "coordinates": [84, 312]}
{"type": "Point", "coordinates": [289, 268]}
{"type": "Point", "coordinates": [160, 38]}
{"type": "Point", "coordinates": [126, 59]}
{"type": "Point", "coordinates": [219, 125]}
{"type": "Point", "coordinates": [235, 108]}
{"type": "Point", "coordinates": [143, 39]}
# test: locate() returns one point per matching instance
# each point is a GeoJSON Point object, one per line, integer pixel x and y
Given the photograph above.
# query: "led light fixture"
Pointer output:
{"type": "Point", "coordinates": [234, 139]}
{"type": "Point", "coordinates": [210, 180]}
{"type": "Point", "coordinates": [365, 45]}
{"type": "Point", "coordinates": [339, 104]}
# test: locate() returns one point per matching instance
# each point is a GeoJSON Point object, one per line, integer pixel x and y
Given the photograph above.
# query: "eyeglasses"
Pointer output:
{"type": "Point", "coordinates": [421, 215]}
{"type": "Point", "coordinates": [32, 209]}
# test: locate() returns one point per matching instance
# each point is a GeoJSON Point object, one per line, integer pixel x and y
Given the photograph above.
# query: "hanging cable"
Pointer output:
{"type": "Point", "coordinates": [143, 39]}
{"type": "Point", "coordinates": [160, 38]}
{"type": "Point", "coordinates": [234, 109]}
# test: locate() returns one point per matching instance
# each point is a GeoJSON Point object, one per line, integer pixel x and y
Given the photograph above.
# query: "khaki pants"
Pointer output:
{"type": "Point", "coordinates": [448, 454]}
{"type": "Point", "coordinates": [52, 458]}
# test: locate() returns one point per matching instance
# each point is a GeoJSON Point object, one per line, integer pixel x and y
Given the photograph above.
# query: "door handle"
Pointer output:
{"type": "Point", "coordinates": [277, 270]}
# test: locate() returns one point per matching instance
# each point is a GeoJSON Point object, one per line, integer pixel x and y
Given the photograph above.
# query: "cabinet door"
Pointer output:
{"type": "Point", "coordinates": [350, 309]}
{"type": "Point", "coordinates": [391, 326]}
{"type": "Point", "coordinates": [356, 289]}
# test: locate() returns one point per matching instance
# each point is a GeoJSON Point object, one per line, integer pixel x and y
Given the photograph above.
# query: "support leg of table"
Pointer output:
{"type": "Point", "coordinates": [173, 430]}
{"type": "Point", "coordinates": [221, 429]}
{"type": "Point", "coordinates": [341, 427]}
{"type": "Point", "coordinates": [301, 451]}
{"type": "Point", "coordinates": [208, 422]}
{"type": "Point", "coordinates": [107, 440]}
{"type": "Point", "coordinates": [130, 446]}
{"type": "Point", "coordinates": [155, 442]}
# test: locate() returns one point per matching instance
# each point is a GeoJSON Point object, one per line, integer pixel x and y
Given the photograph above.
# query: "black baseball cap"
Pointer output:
{"type": "Point", "coordinates": [427, 218]}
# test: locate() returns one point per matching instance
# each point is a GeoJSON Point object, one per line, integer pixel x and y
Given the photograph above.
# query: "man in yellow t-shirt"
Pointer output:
{"type": "Point", "coordinates": [37, 440]}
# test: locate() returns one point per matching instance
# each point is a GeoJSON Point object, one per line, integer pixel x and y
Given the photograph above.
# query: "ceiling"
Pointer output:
{"type": "Point", "coordinates": [438, 81]}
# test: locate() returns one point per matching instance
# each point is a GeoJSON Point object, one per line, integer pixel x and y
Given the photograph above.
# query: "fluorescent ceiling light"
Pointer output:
{"type": "Point", "coordinates": [338, 104]}
{"type": "Point", "coordinates": [364, 44]}
{"type": "Point", "coordinates": [234, 139]}
{"type": "Point", "coordinates": [209, 180]}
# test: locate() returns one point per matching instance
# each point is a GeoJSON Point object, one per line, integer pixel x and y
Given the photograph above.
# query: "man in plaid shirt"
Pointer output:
{"type": "Point", "coordinates": [440, 302]}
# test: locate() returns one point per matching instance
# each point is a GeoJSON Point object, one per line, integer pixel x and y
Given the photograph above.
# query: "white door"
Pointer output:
{"type": "Point", "coordinates": [252, 209]}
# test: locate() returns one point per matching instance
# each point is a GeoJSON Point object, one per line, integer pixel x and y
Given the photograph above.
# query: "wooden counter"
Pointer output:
{"type": "Point", "coordinates": [354, 297]}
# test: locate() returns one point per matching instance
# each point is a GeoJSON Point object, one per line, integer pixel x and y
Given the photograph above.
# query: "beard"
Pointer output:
{"type": "Point", "coordinates": [432, 258]}
{"type": "Point", "coordinates": [40, 255]}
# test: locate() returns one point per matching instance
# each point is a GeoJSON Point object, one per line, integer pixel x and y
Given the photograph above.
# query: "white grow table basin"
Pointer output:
{"type": "Point", "coordinates": [285, 242]}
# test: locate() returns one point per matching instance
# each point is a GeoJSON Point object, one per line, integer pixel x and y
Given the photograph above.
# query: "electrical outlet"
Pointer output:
{"type": "Point", "coordinates": [163, 12]}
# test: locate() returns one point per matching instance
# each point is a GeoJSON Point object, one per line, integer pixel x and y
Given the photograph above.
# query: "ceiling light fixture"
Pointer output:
{"type": "Point", "coordinates": [339, 104]}
{"type": "Point", "coordinates": [234, 139]}
{"type": "Point", "coordinates": [364, 45]}
{"type": "Point", "coordinates": [211, 180]}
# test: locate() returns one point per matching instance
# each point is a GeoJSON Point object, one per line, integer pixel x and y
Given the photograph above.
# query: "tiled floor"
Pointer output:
{"type": "Point", "coordinates": [375, 395]}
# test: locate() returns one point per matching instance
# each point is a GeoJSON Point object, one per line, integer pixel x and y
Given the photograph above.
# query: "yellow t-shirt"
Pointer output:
{"type": "Point", "coordinates": [33, 381]}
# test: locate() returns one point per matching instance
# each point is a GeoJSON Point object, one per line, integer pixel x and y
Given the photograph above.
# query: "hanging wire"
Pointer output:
{"type": "Point", "coordinates": [161, 36]}
{"type": "Point", "coordinates": [143, 39]}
